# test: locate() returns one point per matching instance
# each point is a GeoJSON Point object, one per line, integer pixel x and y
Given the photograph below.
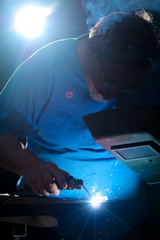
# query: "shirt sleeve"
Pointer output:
{"type": "Point", "coordinates": [25, 96]}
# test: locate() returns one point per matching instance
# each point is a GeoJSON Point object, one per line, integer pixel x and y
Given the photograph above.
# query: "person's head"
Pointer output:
{"type": "Point", "coordinates": [121, 47]}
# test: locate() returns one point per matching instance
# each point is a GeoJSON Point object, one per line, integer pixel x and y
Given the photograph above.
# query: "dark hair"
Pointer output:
{"type": "Point", "coordinates": [129, 39]}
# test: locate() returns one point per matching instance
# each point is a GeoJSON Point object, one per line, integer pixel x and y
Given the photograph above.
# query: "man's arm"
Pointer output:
{"type": "Point", "coordinates": [39, 175]}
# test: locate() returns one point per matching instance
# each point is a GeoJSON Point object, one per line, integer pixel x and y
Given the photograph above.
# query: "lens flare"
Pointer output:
{"type": "Point", "coordinates": [30, 20]}
{"type": "Point", "coordinates": [97, 199]}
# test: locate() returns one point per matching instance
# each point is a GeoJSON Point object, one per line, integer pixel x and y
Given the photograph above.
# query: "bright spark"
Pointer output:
{"type": "Point", "coordinates": [97, 199]}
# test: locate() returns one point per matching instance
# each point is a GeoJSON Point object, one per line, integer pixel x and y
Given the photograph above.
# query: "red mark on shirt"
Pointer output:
{"type": "Point", "coordinates": [69, 95]}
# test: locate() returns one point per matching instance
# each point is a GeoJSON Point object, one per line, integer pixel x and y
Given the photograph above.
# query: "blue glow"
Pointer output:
{"type": "Point", "coordinates": [109, 177]}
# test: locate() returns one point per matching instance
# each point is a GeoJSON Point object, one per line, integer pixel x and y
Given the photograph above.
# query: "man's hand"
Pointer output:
{"type": "Point", "coordinates": [45, 178]}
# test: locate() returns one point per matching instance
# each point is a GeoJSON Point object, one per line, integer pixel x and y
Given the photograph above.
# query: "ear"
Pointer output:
{"type": "Point", "coordinates": [92, 44]}
{"type": "Point", "coordinates": [92, 49]}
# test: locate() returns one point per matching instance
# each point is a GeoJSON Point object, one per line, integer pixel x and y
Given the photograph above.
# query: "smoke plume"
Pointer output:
{"type": "Point", "coordinates": [95, 9]}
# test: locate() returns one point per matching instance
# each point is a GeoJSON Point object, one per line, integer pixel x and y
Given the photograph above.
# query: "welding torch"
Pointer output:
{"type": "Point", "coordinates": [72, 183]}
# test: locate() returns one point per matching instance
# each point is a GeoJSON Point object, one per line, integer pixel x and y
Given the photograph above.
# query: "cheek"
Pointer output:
{"type": "Point", "coordinates": [94, 70]}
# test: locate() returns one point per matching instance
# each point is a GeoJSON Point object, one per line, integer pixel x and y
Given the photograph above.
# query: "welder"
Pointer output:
{"type": "Point", "coordinates": [48, 94]}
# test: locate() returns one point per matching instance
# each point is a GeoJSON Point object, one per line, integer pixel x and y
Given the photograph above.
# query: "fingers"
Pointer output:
{"type": "Point", "coordinates": [60, 177]}
{"type": "Point", "coordinates": [47, 179]}
{"type": "Point", "coordinates": [51, 189]}
{"type": "Point", "coordinates": [45, 188]}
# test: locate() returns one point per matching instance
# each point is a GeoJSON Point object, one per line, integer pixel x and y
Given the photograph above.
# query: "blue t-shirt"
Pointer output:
{"type": "Point", "coordinates": [45, 100]}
